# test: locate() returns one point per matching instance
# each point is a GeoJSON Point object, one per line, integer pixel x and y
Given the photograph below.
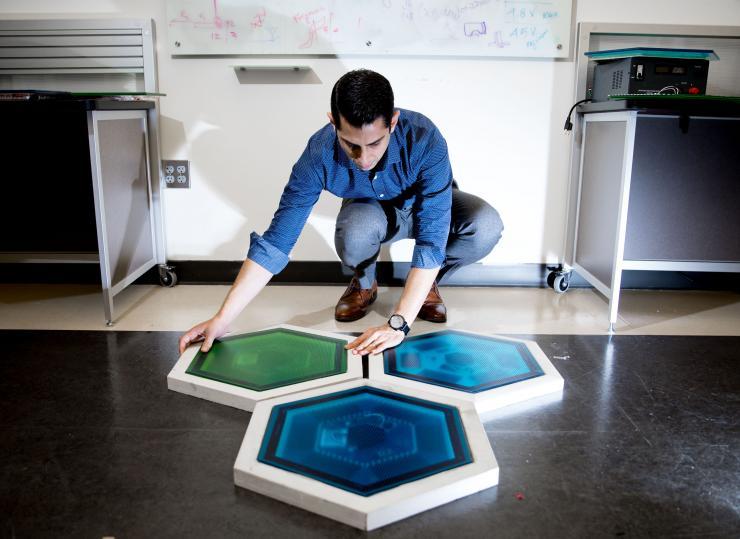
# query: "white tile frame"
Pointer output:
{"type": "Point", "coordinates": [366, 512]}
{"type": "Point", "coordinates": [243, 398]}
{"type": "Point", "coordinates": [488, 401]}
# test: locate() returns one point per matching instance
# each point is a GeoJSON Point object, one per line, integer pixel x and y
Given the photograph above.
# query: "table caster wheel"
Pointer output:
{"type": "Point", "coordinates": [168, 277]}
{"type": "Point", "coordinates": [558, 281]}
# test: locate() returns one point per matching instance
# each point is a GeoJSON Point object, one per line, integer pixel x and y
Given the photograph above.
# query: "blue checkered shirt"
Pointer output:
{"type": "Point", "coordinates": [414, 172]}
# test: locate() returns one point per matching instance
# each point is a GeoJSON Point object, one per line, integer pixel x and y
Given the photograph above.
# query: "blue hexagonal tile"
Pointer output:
{"type": "Point", "coordinates": [489, 371]}
{"type": "Point", "coordinates": [365, 440]}
{"type": "Point", "coordinates": [462, 361]}
{"type": "Point", "coordinates": [365, 453]}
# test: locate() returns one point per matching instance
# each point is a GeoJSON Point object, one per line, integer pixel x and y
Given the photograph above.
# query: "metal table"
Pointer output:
{"type": "Point", "coordinates": [658, 189]}
{"type": "Point", "coordinates": [78, 188]}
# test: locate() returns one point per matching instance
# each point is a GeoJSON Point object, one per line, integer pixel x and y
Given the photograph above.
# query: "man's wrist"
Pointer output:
{"type": "Point", "coordinates": [222, 318]}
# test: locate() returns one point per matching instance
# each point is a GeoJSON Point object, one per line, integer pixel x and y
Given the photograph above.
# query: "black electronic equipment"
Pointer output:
{"type": "Point", "coordinates": [649, 75]}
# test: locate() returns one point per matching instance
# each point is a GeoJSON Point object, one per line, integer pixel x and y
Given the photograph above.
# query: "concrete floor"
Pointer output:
{"type": "Point", "coordinates": [645, 440]}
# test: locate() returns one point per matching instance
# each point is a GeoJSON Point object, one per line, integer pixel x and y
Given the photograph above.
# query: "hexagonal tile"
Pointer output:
{"type": "Point", "coordinates": [365, 440]}
{"type": "Point", "coordinates": [241, 370]}
{"type": "Point", "coordinates": [491, 372]}
{"type": "Point", "coordinates": [365, 453]}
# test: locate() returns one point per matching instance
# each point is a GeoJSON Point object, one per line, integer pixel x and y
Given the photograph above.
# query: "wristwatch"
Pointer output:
{"type": "Point", "coordinates": [398, 322]}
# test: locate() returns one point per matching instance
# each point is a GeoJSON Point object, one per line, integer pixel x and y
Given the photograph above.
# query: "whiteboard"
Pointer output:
{"type": "Point", "coordinates": [533, 28]}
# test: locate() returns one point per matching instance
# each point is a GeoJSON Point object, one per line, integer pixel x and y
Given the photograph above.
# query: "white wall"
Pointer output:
{"type": "Point", "coordinates": [502, 119]}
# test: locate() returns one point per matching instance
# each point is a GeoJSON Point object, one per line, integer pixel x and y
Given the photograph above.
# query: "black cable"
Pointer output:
{"type": "Point", "coordinates": [568, 124]}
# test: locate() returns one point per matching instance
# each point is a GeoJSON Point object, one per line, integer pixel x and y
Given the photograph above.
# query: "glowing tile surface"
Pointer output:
{"type": "Point", "coordinates": [270, 359]}
{"type": "Point", "coordinates": [365, 453]}
{"type": "Point", "coordinates": [241, 370]}
{"type": "Point", "coordinates": [471, 363]}
{"type": "Point", "coordinates": [489, 371]}
{"type": "Point", "coordinates": [365, 440]}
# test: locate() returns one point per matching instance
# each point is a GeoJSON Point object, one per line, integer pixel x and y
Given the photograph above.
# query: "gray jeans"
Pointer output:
{"type": "Point", "coordinates": [364, 224]}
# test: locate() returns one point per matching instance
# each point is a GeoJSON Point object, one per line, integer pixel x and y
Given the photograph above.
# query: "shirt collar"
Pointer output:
{"type": "Point", "coordinates": [393, 152]}
{"type": "Point", "coordinates": [340, 156]}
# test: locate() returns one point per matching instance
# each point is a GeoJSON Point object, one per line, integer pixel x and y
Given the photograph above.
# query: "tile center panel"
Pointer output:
{"type": "Point", "coordinates": [270, 359]}
{"type": "Point", "coordinates": [365, 440]}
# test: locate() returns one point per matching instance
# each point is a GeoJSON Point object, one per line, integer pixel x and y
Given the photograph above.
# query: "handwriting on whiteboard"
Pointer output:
{"type": "Point", "coordinates": [317, 21]}
{"type": "Point", "coordinates": [305, 25]}
{"type": "Point", "coordinates": [211, 21]}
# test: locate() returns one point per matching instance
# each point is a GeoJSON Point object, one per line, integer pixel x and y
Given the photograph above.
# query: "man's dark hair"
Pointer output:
{"type": "Point", "coordinates": [360, 97]}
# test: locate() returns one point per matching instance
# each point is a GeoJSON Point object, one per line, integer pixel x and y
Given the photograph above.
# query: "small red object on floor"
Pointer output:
{"type": "Point", "coordinates": [519, 496]}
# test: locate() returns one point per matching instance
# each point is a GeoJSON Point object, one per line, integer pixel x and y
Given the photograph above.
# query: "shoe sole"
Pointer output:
{"type": "Point", "coordinates": [435, 320]}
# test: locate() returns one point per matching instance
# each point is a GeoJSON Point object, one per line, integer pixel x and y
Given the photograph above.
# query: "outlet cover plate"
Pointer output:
{"type": "Point", "coordinates": [176, 173]}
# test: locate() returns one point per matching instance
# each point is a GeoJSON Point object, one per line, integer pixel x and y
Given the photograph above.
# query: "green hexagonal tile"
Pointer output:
{"type": "Point", "coordinates": [270, 359]}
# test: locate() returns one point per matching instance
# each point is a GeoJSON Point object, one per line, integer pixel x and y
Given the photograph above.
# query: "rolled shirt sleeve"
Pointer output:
{"type": "Point", "coordinates": [303, 189]}
{"type": "Point", "coordinates": [433, 206]}
{"type": "Point", "coordinates": [266, 255]}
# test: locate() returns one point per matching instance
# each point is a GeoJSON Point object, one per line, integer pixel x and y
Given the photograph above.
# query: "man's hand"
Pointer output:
{"type": "Point", "coordinates": [375, 340]}
{"type": "Point", "coordinates": [206, 331]}
{"type": "Point", "coordinates": [251, 279]}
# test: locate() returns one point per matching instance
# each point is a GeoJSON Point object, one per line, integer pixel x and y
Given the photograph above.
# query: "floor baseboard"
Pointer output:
{"type": "Point", "coordinates": [388, 274]}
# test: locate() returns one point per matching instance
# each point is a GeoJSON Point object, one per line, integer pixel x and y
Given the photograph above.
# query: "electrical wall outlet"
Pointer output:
{"type": "Point", "coordinates": [176, 173]}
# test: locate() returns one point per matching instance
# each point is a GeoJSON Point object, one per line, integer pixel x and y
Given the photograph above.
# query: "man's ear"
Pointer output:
{"type": "Point", "coordinates": [394, 119]}
{"type": "Point", "coordinates": [331, 119]}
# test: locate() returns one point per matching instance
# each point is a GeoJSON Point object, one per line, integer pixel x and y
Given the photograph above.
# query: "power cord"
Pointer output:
{"type": "Point", "coordinates": [568, 124]}
{"type": "Point", "coordinates": [670, 90]}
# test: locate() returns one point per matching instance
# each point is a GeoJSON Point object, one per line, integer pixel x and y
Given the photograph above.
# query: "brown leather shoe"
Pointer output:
{"type": "Point", "coordinates": [354, 302]}
{"type": "Point", "coordinates": [434, 309]}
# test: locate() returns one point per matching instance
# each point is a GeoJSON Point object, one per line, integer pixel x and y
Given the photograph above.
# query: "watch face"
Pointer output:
{"type": "Point", "coordinates": [396, 321]}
